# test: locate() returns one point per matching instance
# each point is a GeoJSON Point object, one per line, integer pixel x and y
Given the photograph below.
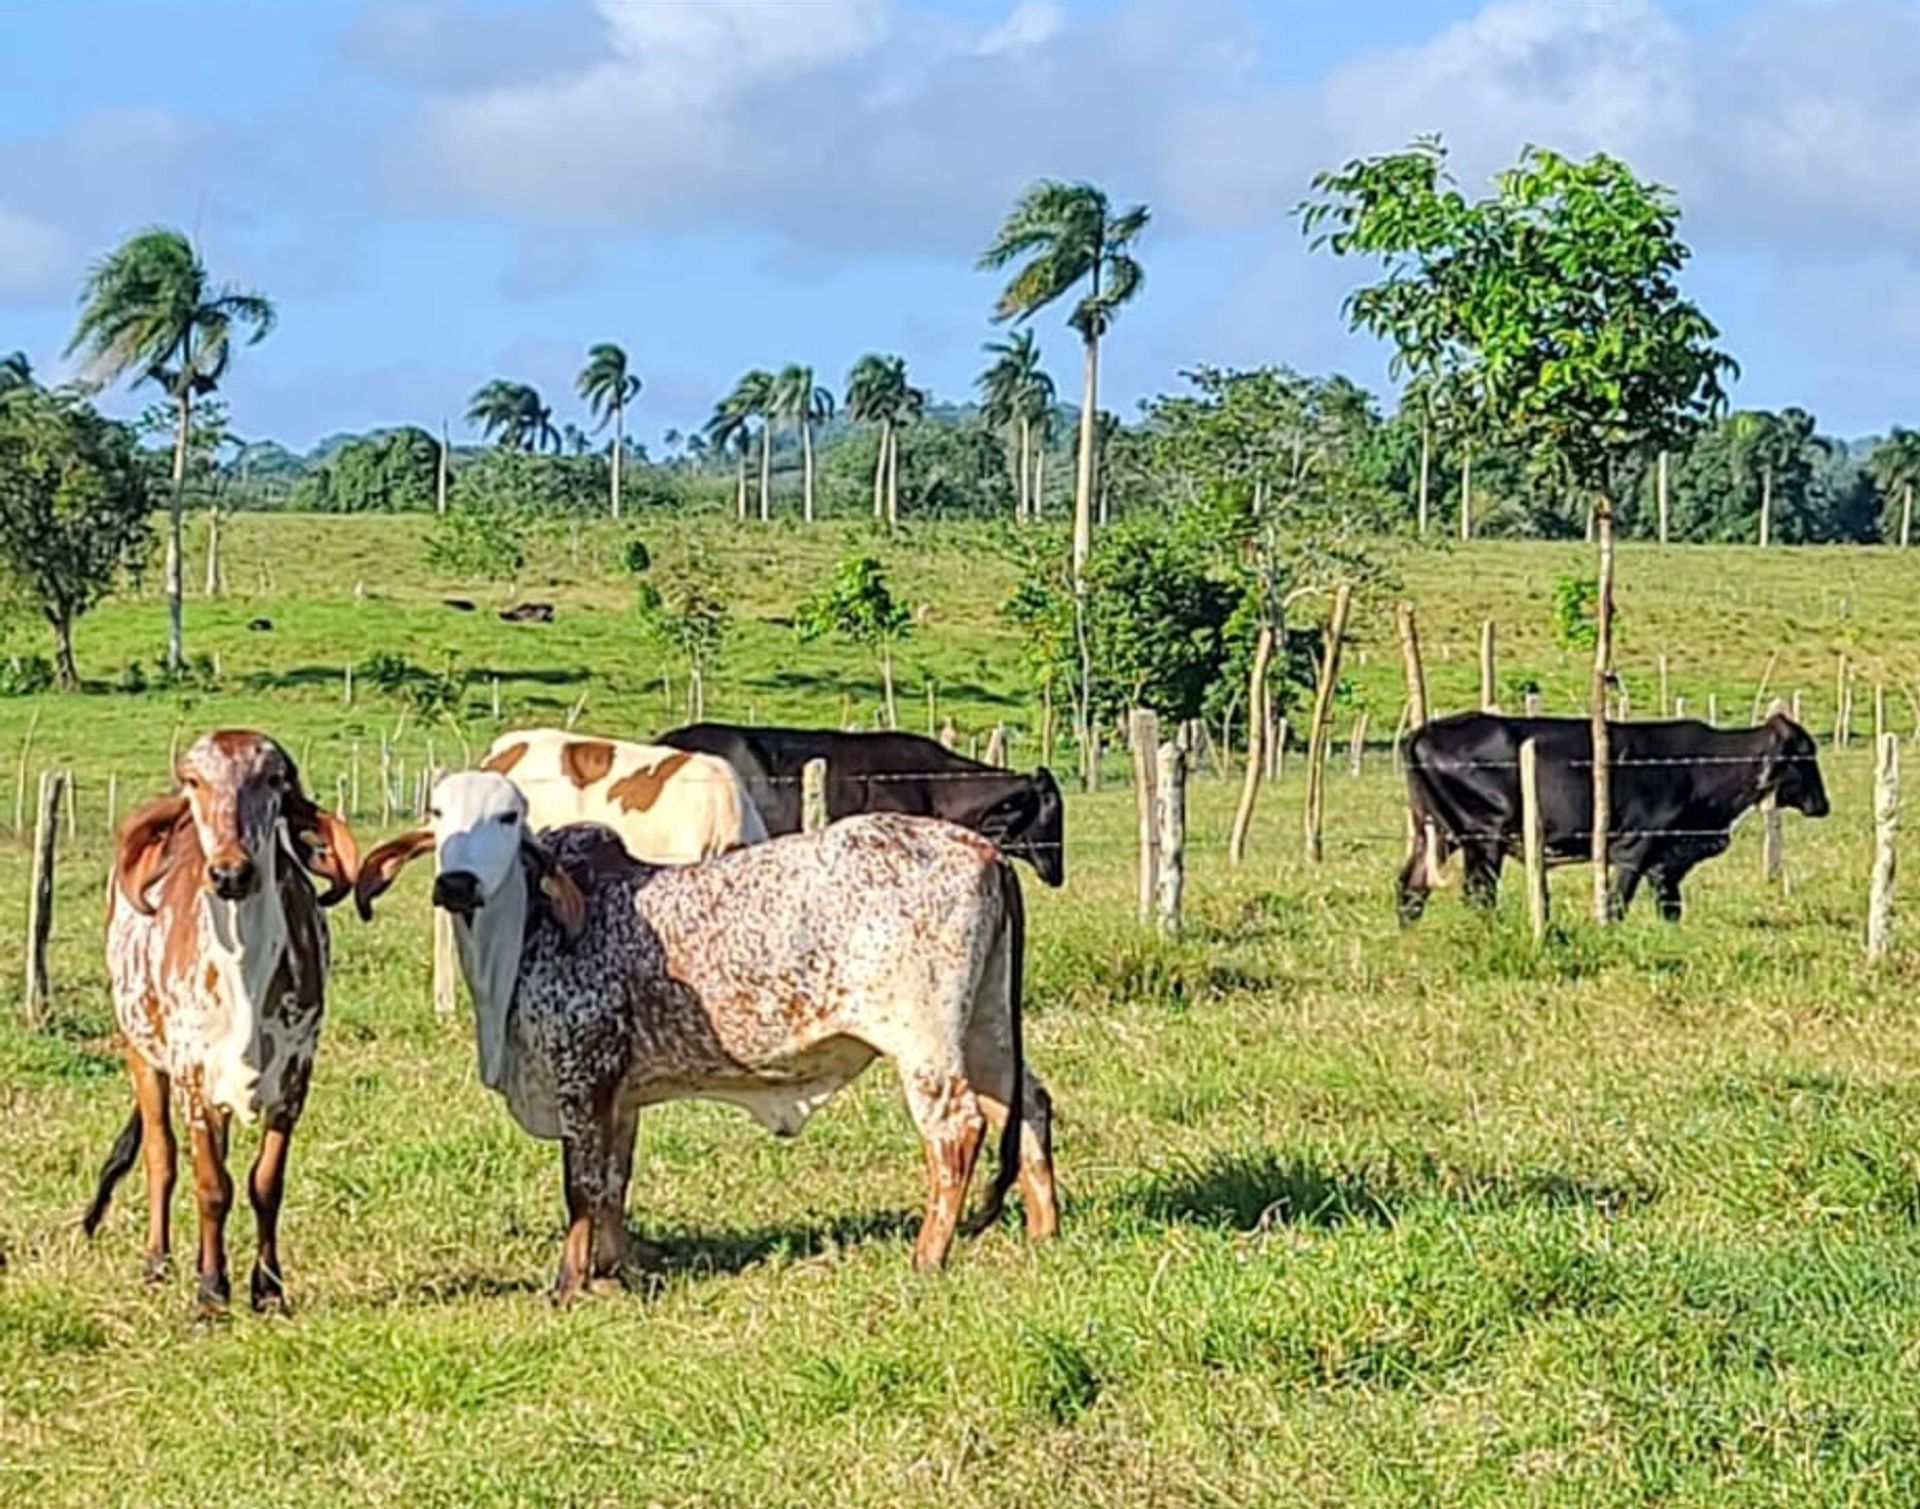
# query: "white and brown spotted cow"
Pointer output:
{"type": "Point", "coordinates": [217, 948]}
{"type": "Point", "coordinates": [669, 806]}
{"type": "Point", "coordinates": [766, 978]}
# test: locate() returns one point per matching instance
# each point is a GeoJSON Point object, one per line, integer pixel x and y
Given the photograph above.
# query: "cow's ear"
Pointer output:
{"type": "Point", "coordinates": [323, 843]}
{"type": "Point", "coordinates": [385, 862]}
{"type": "Point", "coordinates": [142, 857]}
{"type": "Point", "coordinates": [561, 892]}
{"type": "Point", "coordinates": [1013, 813]}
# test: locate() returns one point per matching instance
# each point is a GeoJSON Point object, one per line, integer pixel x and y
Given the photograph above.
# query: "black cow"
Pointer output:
{"type": "Point", "coordinates": [890, 772]}
{"type": "Point", "coordinates": [1677, 788]}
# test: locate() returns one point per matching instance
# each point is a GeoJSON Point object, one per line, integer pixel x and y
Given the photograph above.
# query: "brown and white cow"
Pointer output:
{"type": "Point", "coordinates": [218, 950]}
{"type": "Point", "coordinates": [669, 806]}
{"type": "Point", "coordinates": [766, 978]}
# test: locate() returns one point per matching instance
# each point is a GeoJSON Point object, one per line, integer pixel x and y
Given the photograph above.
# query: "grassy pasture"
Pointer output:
{"type": "Point", "coordinates": [1351, 1213]}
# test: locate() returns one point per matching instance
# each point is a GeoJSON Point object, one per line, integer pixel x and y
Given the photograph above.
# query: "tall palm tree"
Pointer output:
{"type": "Point", "coordinates": [151, 309]}
{"type": "Point", "coordinates": [1003, 387]}
{"type": "Point", "coordinates": [514, 414]}
{"type": "Point", "coordinates": [878, 393]}
{"type": "Point", "coordinates": [730, 429]}
{"type": "Point", "coordinates": [1064, 235]}
{"type": "Point", "coordinates": [803, 403]}
{"type": "Point", "coordinates": [1896, 468]}
{"type": "Point", "coordinates": [752, 399]}
{"type": "Point", "coordinates": [608, 387]}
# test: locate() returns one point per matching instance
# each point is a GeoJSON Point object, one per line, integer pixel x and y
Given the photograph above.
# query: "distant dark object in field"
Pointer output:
{"type": "Point", "coordinates": [260, 625]}
{"type": "Point", "coordinates": [458, 604]}
{"type": "Point", "coordinates": [528, 613]}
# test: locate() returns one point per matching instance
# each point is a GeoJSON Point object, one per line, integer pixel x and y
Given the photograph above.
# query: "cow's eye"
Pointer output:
{"type": "Point", "coordinates": [509, 818]}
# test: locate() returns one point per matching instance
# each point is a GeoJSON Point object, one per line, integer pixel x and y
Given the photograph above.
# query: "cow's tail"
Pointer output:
{"type": "Point", "coordinates": [126, 1147]}
{"type": "Point", "coordinates": [1014, 911]}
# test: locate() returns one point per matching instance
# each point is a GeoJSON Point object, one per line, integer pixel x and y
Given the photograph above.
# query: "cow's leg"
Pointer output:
{"type": "Point", "coordinates": [610, 1218]}
{"type": "Point", "coordinates": [1666, 894]}
{"type": "Point", "coordinates": [1037, 1189]}
{"type": "Point", "coordinates": [157, 1152]}
{"type": "Point", "coordinates": [1418, 876]}
{"type": "Point", "coordinates": [583, 1148]}
{"type": "Point", "coordinates": [1480, 881]}
{"type": "Point", "coordinates": [265, 1186]}
{"type": "Point", "coordinates": [214, 1187]}
{"type": "Point", "coordinates": [947, 1112]}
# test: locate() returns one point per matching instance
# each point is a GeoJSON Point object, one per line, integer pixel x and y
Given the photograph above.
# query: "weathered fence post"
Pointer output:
{"type": "Point", "coordinates": [73, 809]}
{"type": "Point", "coordinates": [1679, 707]}
{"type": "Point", "coordinates": [1666, 690]}
{"type": "Point", "coordinates": [1415, 668]}
{"type": "Point", "coordinates": [1322, 716]}
{"type": "Point", "coordinates": [1660, 496]}
{"type": "Point", "coordinates": [1713, 709]}
{"type": "Point", "coordinates": [1172, 797]}
{"type": "Point", "coordinates": [353, 767]}
{"type": "Point", "coordinates": [813, 796]}
{"type": "Point", "coordinates": [386, 783]}
{"type": "Point", "coordinates": [1760, 691]}
{"type": "Point", "coordinates": [40, 897]}
{"type": "Point", "coordinates": [20, 775]}
{"type": "Point", "coordinates": [1532, 702]}
{"type": "Point", "coordinates": [997, 745]}
{"type": "Point", "coordinates": [1093, 755]}
{"type": "Point", "coordinates": [949, 734]}
{"type": "Point", "coordinates": [346, 690]}
{"type": "Point", "coordinates": [1280, 736]}
{"type": "Point", "coordinates": [1533, 841]}
{"type": "Point", "coordinates": [1357, 743]}
{"type": "Point", "coordinates": [1259, 733]}
{"type": "Point", "coordinates": [1489, 692]}
{"type": "Point", "coordinates": [113, 800]}
{"type": "Point", "coordinates": [1879, 710]}
{"type": "Point", "coordinates": [1143, 733]}
{"type": "Point", "coordinates": [446, 962]}
{"type": "Point", "coordinates": [494, 691]}
{"type": "Point", "coordinates": [1597, 712]}
{"type": "Point", "coordinates": [1842, 702]}
{"type": "Point", "coordinates": [1886, 830]}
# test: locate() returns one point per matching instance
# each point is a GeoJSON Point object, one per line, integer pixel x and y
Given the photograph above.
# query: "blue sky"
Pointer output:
{"type": "Point", "coordinates": [437, 192]}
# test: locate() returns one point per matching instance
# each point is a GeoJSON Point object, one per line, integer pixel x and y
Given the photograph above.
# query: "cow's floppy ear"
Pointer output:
{"type": "Point", "coordinates": [560, 891]}
{"type": "Point", "coordinates": [378, 868]}
{"type": "Point", "coordinates": [323, 843]}
{"type": "Point", "coordinates": [142, 857]}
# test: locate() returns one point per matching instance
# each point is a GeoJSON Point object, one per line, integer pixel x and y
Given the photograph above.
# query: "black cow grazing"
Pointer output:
{"type": "Point", "coordinates": [891, 772]}
{"type": "Point", "coordinates": [1677, 789]}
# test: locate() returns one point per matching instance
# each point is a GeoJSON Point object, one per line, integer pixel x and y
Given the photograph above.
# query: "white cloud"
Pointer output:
{"type": "Point", "coordinates": [35, 258]}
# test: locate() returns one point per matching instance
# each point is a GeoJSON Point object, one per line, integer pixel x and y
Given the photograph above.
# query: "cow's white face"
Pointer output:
{"type": "Point", "coordinates": [479, 820]}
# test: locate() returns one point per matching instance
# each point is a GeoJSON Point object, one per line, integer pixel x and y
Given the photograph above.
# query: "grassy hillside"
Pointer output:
{"type": "Point", "coordinates": [1350, 1212]}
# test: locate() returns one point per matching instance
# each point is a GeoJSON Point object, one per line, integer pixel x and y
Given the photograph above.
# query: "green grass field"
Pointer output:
{"type": "Point", "coordinates": [1351, 1214]}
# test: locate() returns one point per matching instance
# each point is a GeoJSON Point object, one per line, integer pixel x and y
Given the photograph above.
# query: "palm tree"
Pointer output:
{"type": "Point", "coordinates": [729, 429]}
{"type": "Point", "coordinates": [1774, 445]}
{"type": "Point", "coordinates": [514, 414]}
{"type": "Point", "coordinates": [803, 403]}
{"type": "Point", "coordinates": [1896, 467]}
{"type": "Point", "coordinates": [751, 400]}
{"type": "Point", "coordinates": [608, 387]}
{"type": "Point", "coordinates": [878, 393]}
{"type": "Point", "coordinates": [151, 309]}
{"type": "Point", "coordinates": [1067, 234]}
{"type": "Point", "coordinates": [1007, 401]}
{"type": "Point", "coordinates": [15, 372]}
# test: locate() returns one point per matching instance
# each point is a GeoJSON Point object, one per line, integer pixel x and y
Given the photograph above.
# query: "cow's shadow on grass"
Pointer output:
{"type": "Point", "coordinates": [1253, 1192]}
{"type": "Point", "coordinates": [298, 676]}
{"type": "Point", "coordinates": [698, 1253]}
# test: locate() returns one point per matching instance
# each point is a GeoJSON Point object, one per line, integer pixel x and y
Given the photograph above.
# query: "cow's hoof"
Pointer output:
{"type": "Point", "coordinates": [214, 1297]}
{"type": "Point", "coordinates": [155, 1269]}
{"type": "Point", "coordinates": [268, 1295]}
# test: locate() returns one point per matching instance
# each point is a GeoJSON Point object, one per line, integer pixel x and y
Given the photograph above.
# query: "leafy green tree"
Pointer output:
{"type": "Point", "coordinates": [802, 403]}
{"type": "Point", "coordinates": [392, 471]}
{"type": "Point", "coordinates": [857, 604]}
{"type": "Point", "coordinates": [1065, 235]}
{"type": "Point", "coordinates": [514, 414]}
{"type": "Point", "coordinates": [752, 401]}
{"type": "Point", "coordinates": [1761, 475]}
{"type": "Point", "coordinates": [1895, 465]}
{"type": "Point", "coordinates": [74, 510]}
{"type": "Point", "coordinates": [1157, 617]}
{"type": "Point", "coordinates": [729, 431]}
{"type": "Point", "coordinates": [530, 486]}
{"type": "Point", "coordinates": [682, 608]}
{"type": "Point", "coordinates": [152, 310]}
{"type": "Point", "coordinates": [16, 373]}
{"type": "Point", "coordinates": [608, 386]}
{"type": "Point", "coordinates": [1550, 315]}
{"type": "Point", "coordinates": [485, 544]}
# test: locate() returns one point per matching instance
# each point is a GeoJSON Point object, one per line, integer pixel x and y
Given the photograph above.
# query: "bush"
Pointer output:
{"type": "Point", "coordinates": [25, 675]}
{"type": "Point", "coordinates": [487, 543]}
{"type": "Point", "coordinates": [1576, 615]}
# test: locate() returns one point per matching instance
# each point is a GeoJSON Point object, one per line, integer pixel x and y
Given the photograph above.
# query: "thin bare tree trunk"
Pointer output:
{"type": "Point", "coordinates": [1466, 496]}
{"type": "Point", "coordinates": [1660, 491]}
{"type": "Point", "coordinates": [1039, 476]}
{"type": "Point", "coordinates": [766, 472]}
{"type": "Point", "coordinates": [893, 477]}
{"type": "Point", "coordinates": [619, 445]}
{"type": "Point", "coordinates": [1083, 481]}
{"type": "Point", "coordinates": [1426, 472]}
{"type": "Point", "coordinates": [886, 683]}
{"type": "Point", "coordinates": [1597, 712]}
{"type": "Point", "coordinates": [440, 474]}
{"type": "Point", "coordinates": [176, 584]}
{"type": "Point", "coordinates": [213, 554]}
{"type": "Point", "coordinates": [740, 487]}
{"type": "Point", "coordinates": [1257, 731]}
{"type": "Point", "coordinates": [1906, 518]}
{"type": "Point", "coordinates": [1025, 503]}
{"type": "Point", "coordinates": [880, 474]}
{"type": "Point", "coordinates": [1766, 506]}
{"type": "Point", "coordinates": [806, 470]}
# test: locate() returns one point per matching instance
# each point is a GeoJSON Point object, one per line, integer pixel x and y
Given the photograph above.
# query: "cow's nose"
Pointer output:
{"type": "Point", "coordinates": [458, 891]}
{"type": "Point", "coordinates": [233, 879]}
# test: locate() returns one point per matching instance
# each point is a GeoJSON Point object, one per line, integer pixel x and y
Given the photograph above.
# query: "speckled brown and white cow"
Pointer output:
{"type": "Point", "coordinates": [217, 948]}
{"type": "Point", "coordinates": [766, 978]}
{"type": "Point", "coordinates": [669, 806]}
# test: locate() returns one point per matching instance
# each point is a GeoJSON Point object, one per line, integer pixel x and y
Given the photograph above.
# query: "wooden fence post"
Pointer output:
{"type": "Point", "coordinates": [1172, 797]}
{"type": "Point", "coordinates": [73, 808]}
{"type": "Point", "coordinates": [1415, 669]}
{"type": "Point", "coordinates": [1357, 743]}
{"type": "Point", "coordinates": [1280, 736]}
{"type": "Point", "coordinates": [20, 775]}
{"type": "Point", "coordinates": [1842, 708]}
{"type": "Point", "coordinates": [1533, 841]}
{"type": "Point", "coordinates": [1886, 830]}
{"type": "Point", "coordinates": [1143, 733]}
{"type": "Point", "coordinates": [813, 796]}
{"type": "Point", "coordinates": [353, 766]}
{"type": "Point", "coordinates": [949, 735]}
{"type": "Point", "coordinates": [346, 689]}
{"type": "Point", "coordinates": [1597, 714]}
{"type": "Point", "coordinates": [1666, 690]}
{"type": "Point", "coordinates": [1713, 709]}
{"type": "Point", "coordinates": [113, 800]}
{"type": "Point", "coordinates": [1093, 754]}
{"type": "Point", "coordinates": [1315, 811]}
{"type": "Point", "coordinates": [1259, 733]}
{"type": "Point", "coordinates": [1679, 707]}
{"type": "Point", "coordinates": [1532, 703]}
{"type": "Point", "coordinates": [1489, 689]}
{"type": "Point", "coordinates": [997, 745]}
{"type": "Point", "coordinates": [446, 959]}
{"type": "Point", "coordinates": [40, 898]}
